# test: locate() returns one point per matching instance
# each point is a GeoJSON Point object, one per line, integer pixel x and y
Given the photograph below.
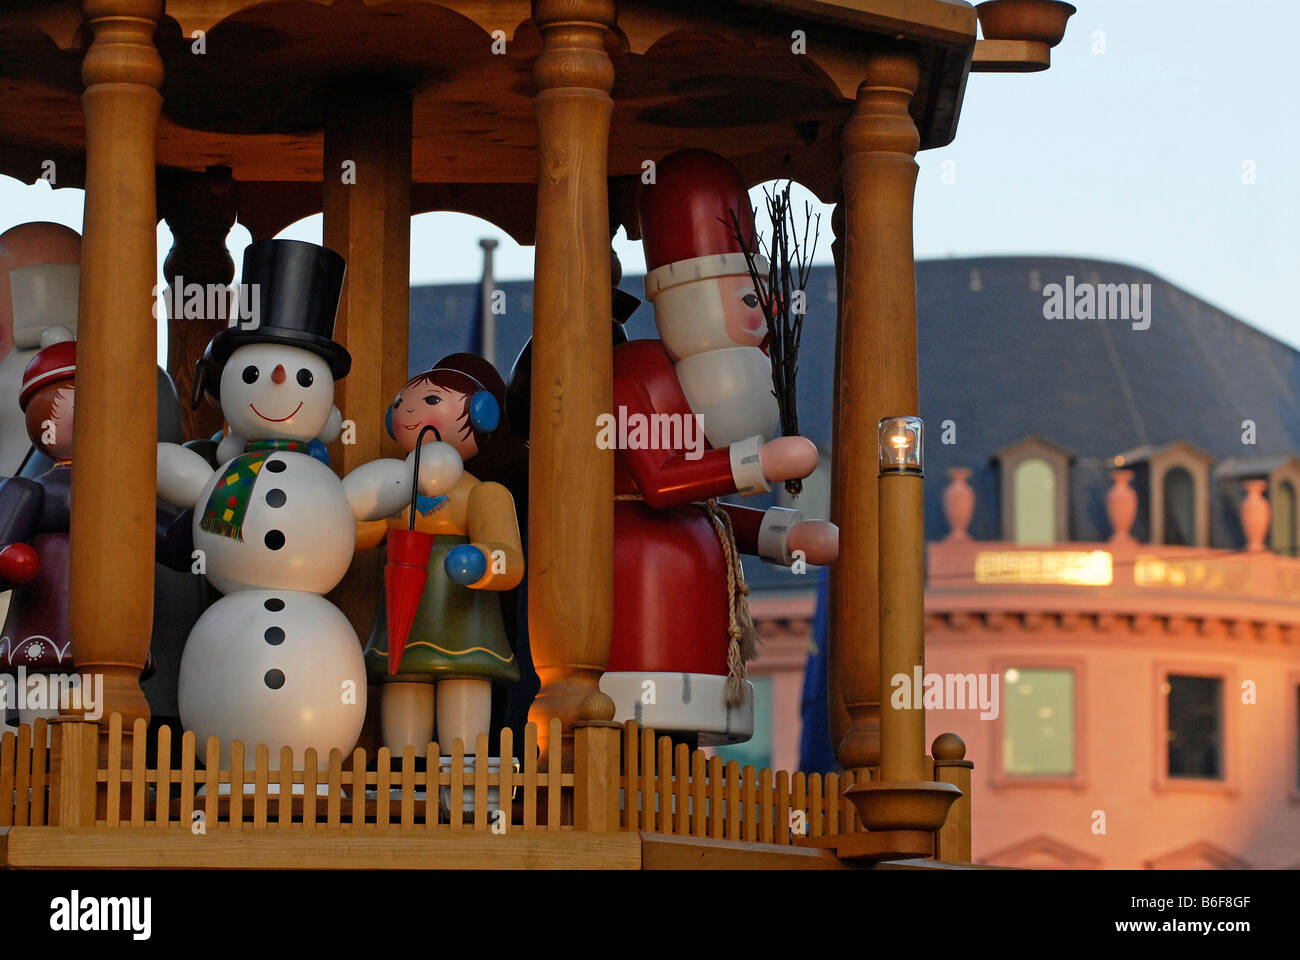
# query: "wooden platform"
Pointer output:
{"type": "Point", "coordinates": [228, 849]}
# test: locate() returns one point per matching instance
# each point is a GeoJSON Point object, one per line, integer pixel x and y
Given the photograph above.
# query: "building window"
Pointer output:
{"type": "Point", "coordinates": [1195, 713]}
{"type": "Point", "coordinates": [1035, 502]}
{"type": "Point", "coordinates": [1284, 519]}
{"type": "Point", "coordinates": [758, 749]}
{"type": "Point", "coordinates": [1038, 722]}
{"type": "Point", "coordinates": [1180, 507]}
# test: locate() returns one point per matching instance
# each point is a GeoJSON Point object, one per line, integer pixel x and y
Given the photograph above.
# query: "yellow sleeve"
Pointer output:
{"type": "Point", "coordinates": [494, 529]}
{"type": "Point", "coordinates": [371, 533]}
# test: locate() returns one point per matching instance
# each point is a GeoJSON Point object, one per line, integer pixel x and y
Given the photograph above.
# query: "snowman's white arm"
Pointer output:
{"type": "Point", "coordinates": [333, 427]}
{"type": "Point", "coordinates": [382, 488]}
{"type": "Point", "coordinates": [231, 446]}
{"type": "Point", "coordinates": [182, 475]}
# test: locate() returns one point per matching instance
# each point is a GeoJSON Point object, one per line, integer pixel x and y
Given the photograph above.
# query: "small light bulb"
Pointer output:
{"type": "Point", "coordinates": [900, 445]}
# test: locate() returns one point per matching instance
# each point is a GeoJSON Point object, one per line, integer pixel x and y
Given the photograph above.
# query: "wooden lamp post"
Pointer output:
{"type": "Point", "coordinates": [876, 374]}
{"type": "Point", "coordinates": [903, 801]}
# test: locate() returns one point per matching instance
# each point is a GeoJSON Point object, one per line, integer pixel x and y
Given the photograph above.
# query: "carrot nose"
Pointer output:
{"type": "Point", "coordinates": [277, 375]}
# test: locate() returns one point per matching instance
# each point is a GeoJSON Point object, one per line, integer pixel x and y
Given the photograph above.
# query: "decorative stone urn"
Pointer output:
{"type": "Point", "coordinates": [958, 504]}
{"type": "Point", "coordinates": [1121, 506]}
{"type": "Point", "coordinates": [1255, 514]}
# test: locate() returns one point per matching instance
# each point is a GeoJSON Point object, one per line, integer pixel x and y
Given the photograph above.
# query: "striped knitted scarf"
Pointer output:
{"type": "Point", "coordinates": [229, 500]}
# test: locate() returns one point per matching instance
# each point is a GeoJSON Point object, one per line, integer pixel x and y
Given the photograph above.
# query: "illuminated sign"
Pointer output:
{"type": "Point", "coordinates": [1073, 568]}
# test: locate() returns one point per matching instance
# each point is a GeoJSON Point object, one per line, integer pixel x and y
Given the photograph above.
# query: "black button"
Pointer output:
{"type": "Point", "coordinates": [275, 466]}
{"type": "Point", "coordinates": [274, 636]}
{"type": "Point", "coordinates": [275, 498]}
{"type": "Point", "coordinates": [275, 604]}
{"type": "Point", "coordinates": [274, 539]}
{"type": "Point", "coordinates": [274, 679]}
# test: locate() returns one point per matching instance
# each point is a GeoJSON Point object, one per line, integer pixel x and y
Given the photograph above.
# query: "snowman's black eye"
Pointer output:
{"type": "Point", "coordinates": [250, 374]}
{"type": "Point", "coordinates": [750, 300]}
{"type": "Point", "coordinates": [304, 377]}
{"type": "Point", "coordinates": [433, 399]}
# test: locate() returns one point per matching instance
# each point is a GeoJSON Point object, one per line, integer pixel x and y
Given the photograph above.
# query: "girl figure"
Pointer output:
{"type": "Point", "coordinates": [458, 641]}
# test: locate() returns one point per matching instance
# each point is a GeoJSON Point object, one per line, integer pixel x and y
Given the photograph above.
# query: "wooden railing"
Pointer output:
{"type": "Point", "coordinates": [428, 791]}
{"type": "Point", "coordinates": [24, 776]}
{"type": "Point", "coordinates": [624, 779]}
{"type": "Point", "coordinates": [674, 790]}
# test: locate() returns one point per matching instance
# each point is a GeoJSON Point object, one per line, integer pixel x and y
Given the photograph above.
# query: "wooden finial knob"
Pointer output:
{"type": "Point", "coordinates": [948, 746]}
{"type": "Point", "coordinates": [596, 706]}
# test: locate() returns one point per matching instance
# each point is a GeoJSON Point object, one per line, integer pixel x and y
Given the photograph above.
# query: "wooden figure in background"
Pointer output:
{"type": "Point", "coordinates": [273, 661]}
{"type": "Point", "coordinates": [458, 640]}
{"type": "Point", "coordinates": [39, 286]}
{"type": "Point", "coordinates": [35, 517]}
{"type": "Point", "coordinates": [682, 631]}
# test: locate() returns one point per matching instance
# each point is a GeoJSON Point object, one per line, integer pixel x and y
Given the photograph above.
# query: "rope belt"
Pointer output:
{"type": "Point", "coordinates": [743, 643]}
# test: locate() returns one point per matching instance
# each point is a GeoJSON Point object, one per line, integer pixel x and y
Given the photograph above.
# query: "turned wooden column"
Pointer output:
{"type": "Point", "coordinates": [877, 376]}
{"type": "Point", "coordinates": [200, 210]}
{"type": "Point", "coordinates": [571, 482]}
{"type": "Point", "coordinates": [367, 213]}
{"type": "Point", "coordinates": [115, 439]}
{"type": "Point", "coordinates": [837, 715]}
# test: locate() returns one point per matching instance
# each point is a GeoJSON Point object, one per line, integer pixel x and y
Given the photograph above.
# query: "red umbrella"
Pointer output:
{"type": "Point", "coordinates": [407, 571]}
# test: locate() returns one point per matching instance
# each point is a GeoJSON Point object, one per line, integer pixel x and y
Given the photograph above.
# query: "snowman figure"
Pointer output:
{"type": "Point", "coordinates": [273, 661]}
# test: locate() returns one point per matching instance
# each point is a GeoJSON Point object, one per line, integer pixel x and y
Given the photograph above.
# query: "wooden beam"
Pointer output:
{"type": "Point", "coordinates": [666, 852]}
{"type": "Point", "coordinates": [320, 849]}
{"type": "Point", "coordinates": [199, 210]}
{"type": "Point", "coordinates": [570, 542]}
{"type": "Point", "coordinates": [110, 593]}
{"type": "Point", "coordinates": [366, 186]}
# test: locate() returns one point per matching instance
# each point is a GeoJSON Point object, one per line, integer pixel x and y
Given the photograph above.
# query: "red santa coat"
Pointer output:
{"type": "Point", "coordinates": [670, 573]}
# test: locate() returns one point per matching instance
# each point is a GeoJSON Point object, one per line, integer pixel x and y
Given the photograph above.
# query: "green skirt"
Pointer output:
{"type": "Point", "coordinates": [458, 632]}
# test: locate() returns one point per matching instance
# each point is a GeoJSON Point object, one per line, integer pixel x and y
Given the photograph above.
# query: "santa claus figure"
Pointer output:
{"type": "Point", "coordinates": [682, 631]}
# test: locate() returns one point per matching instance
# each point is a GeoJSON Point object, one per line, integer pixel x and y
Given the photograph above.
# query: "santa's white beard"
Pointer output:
{"type": "Point", "coordinates": [732, 390]}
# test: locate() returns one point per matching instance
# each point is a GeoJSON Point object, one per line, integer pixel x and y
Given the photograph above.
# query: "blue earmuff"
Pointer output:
{"type": "Point", "coordinates": [388, 420]}
{"type": "Point", "coordinates": [484, 412]}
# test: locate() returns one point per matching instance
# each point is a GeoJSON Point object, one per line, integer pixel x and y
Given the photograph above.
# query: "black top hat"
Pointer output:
{"type": "Point", "coordinates": [294, 287]}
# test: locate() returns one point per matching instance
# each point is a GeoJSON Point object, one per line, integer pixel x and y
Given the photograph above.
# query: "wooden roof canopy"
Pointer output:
{"type": "Point", "coordinates": [717, 75]}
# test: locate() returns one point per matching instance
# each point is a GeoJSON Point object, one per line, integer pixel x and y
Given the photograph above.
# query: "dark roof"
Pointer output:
{"type": "Point", "coordinates": [990, 362]}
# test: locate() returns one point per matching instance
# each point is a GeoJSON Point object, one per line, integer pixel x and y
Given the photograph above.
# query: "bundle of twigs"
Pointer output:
{"type": "Point", "coordinates": [782, 295]}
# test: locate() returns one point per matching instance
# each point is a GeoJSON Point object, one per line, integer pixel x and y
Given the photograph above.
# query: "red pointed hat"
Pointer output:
{"type": "Point", "coordinates": [686, 220]}
{"type": "Point", "coordinates": [51, 364]}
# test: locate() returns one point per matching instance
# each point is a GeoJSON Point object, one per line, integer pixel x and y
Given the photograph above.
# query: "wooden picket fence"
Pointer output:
{"type": "Point", "coordinates": [675, 790]}
{"type": "Point", "coordinates": [402, 797]}
{"type": "Point", "coordinates": [645, 784]}
{"type": "Point", "coordinates": [25, 776]}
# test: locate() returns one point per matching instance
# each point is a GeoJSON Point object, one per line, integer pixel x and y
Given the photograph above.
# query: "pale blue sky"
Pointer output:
{"type": "Point", "coordinates": [1133, 147]}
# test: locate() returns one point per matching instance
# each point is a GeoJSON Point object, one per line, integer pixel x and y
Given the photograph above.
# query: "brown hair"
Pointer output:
{"type": "Point", "coordinates": [43, 405]}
